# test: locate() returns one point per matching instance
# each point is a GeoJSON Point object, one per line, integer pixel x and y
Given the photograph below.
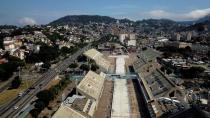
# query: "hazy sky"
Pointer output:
{"type": "Point", "coordinates": [21, 12]}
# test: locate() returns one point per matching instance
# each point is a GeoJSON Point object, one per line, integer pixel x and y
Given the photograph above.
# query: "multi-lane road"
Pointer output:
{"type": "Point", "coordinates": [8, 110]}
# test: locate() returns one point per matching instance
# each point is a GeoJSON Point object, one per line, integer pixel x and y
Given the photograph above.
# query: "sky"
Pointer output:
{"type": "Point", "coordinates": [27, 12]}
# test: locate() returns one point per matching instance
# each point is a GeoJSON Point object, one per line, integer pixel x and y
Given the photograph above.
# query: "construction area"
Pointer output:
{"type": "Point", "coordinates": [120, 102]}
{"type": "Point", "coordinates": [98, 95]}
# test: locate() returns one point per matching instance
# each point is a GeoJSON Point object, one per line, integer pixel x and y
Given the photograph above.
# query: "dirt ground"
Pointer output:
{"type": "Point", "coordinates": [104, 107]}
{"type": "Point", "coordinates": [133, 100]}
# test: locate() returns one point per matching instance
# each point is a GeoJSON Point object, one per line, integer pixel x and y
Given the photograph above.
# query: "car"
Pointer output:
{"type": "Point", "coordinates": [15, 107]}
{"type": "Point", "coordinates": [31, 88]}
{"type": "Point", "coordinates": [20, 94]}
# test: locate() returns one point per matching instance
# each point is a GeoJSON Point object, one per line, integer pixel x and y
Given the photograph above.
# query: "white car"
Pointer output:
{"type": "Point", "coordinates": [15, 107]}
{"type": "Point", "coordinates": [20, 94]}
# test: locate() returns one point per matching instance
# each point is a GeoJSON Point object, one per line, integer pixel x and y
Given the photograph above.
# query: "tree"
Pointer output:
{"type": "Point", "coordinates": [162, 69]}
{"type": "Point", "coordinates": [65, 50]}
{"type": "Point", "coordinates": [188, 49]}
{"type": "Point", "coordinates": [144, 48]}
{"type": "Point", "coordinates": [32, 58]}
{"type": "Point", "coordinates": [81, 58]}
{"type": "Point", "coordinates": [48, 53]}
{"type": "Point", "coordinates": [34, 113]}
{"type": "Point", "coordinates": [169, 71]}
{"type": "Point", "coordinates": [94, 67]}
{"type": "Point", "coordinates": [39, 105]}
{"type": "Point", "coordinates": [16, 82]}
{"type": "Point", "coordinates": [46, 65]}
{"type": "Point", "coordinates": [46, 96]}
{"type": "Point", "coordinates": [73, 65]}
{"type": "Point", "coordinates": [54, 37]}
{"type": "Point", "coordinates": [193, 72]}
{"type": "Point", "coordinates": [23, 47]}
{"type": "Point", "coordinates": [84, 67]}
{"type": "Point", "coordinates": [167, 54]}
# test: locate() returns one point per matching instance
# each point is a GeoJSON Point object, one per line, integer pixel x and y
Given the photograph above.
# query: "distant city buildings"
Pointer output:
{"type": "Point", "coordinates": [128, 39]}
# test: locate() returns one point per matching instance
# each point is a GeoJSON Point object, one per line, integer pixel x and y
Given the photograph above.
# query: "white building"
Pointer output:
{"type": "Point", "coordinates": [132, 36]}
{"type": "Point", "coordinates": [122, 37]}
{"type": "Point", "coordinates": [178, 37]}
{"type": "Point", "coordinates": [131, 42]}
{"type": "Point", "coordinates": [128, 39]}
{"type": "Point", "coordinates": [189, 36]}
{"type": "Point", "coordinates": [18, 53]}
{"type": "Point", "coordinates": [8, 43]}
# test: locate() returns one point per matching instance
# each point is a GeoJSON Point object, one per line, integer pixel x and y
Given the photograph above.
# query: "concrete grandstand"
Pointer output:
{"type": "Point", "coordinates": [98, 58]}
{"type": "Point", "coordinates": [160, 93]}
{"type": "Point", "coordinates": [85, 104]}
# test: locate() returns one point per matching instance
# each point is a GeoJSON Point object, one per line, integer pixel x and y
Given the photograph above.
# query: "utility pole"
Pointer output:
{"type": "Point", "coordinates": [76, 82]}
{"type": "Point", "coordinates": [19, 71]}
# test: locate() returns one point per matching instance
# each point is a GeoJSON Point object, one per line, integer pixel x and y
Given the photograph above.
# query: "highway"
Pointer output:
{"type": "Point", "coordinates": [8, 110]}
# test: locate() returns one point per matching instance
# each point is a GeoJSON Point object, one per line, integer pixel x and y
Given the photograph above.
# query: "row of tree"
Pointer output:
{"type": "Point", "coordinates": [45, 96]}
{"type": "Point", "coordinates": [46, 54]}
{"type": "Point", "coordinates": [7, 69]}
{"type": "Point", "coordinates": [193, 72]}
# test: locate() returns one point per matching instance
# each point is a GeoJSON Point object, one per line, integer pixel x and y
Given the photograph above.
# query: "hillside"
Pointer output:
{"type": "Point", "coordinates": [203, 26]}
{"type": "Point", "coordinates": [206, 18]}
{"type": "Point", "coordinates": [82, 19]}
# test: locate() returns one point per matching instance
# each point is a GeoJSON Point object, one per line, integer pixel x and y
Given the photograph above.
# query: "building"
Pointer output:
{"type": "Point", "coordinates": [131, 43]}
{"type": "Point", "coordinates": [8, 43]}
{"type": "Point", "coordinates": [132, 36]}
{"type": "Point", "coordinates": [189, 36]}
{"type": "Point", "coordinates": [19, 53]}
{"type": "Point", "coordinates": [128, 39]}
{"type": "Point", "coordinates": [178, 44]}
{"type": "Point", "coordinates": [178, 37]}
{"type": "Point", "coordinates": [201, 50]}
{"type": "Point", "coordinates": [122, 37]}
{"type": "Point", "coordinates": [209, 98]}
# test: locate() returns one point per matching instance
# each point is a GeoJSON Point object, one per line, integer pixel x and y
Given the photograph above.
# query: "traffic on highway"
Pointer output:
{"type": "Point", "coordinates": [18, 104]}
